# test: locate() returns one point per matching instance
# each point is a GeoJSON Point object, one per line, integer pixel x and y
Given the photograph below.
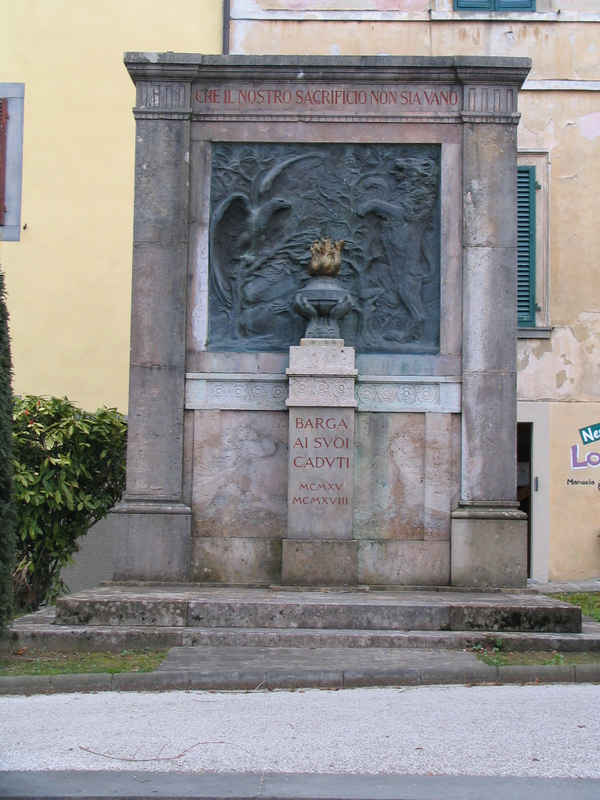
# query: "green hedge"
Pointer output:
{"type": "Point", "coordinates": [7, 530]}
{"type": "Point", "coordinates": [69, 470]}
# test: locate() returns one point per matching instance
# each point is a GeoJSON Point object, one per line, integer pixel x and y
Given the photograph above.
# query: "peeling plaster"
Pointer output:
{"type": "Point", "coordinates": [542, 348]}
{"type": "Point", "coordinates": [565, 367]}
{"type": "Point", "coordinates": [589, 125]}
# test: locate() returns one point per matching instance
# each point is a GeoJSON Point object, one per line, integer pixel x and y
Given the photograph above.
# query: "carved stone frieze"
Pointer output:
{"type": "Point", "coordinates": [163, 95]}
{"type": "Point", "coordinates": [236, 392]}
{"type": "Point", "coordinates": [322, 391]}
{"type": "Point", "coordinates": [271, 201]}
{"type": "Point", "coordinates": [491, 99]}
{"type": "Point", "coordinates": [396, 395]}
{"type": "Point", "coordinates": [252, 392]}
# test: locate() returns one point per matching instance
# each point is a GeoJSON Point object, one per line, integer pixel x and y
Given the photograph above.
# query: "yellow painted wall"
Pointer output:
{"type": "Point", "coordinates": [69, 278]}
{"type": "Point", "coordinates": [574, 507]}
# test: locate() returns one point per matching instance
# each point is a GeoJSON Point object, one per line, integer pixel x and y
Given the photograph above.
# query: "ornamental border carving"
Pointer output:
{"type": "Point", "coordinates": [322, 390]}
{"type": "Point", "coordinates": [269, 392]}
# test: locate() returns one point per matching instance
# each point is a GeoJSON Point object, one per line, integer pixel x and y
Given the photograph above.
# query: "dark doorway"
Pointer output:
{"type": "Point", "coordinates": [524, 439]}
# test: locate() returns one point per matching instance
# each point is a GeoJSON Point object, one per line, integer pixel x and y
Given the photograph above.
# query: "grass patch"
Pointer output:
{"type": "Point", "coordinates": [496, 657]}
{"type": "Point", "coordinates": [30, 662]}
{"type": "Point", "coordinates": [589, 602]}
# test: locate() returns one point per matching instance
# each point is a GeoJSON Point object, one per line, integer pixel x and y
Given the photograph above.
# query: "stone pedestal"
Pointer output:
{"type": "Point", "coordinates": [489, 546]}
{"type": "Point", "coordinates": [319, 548]}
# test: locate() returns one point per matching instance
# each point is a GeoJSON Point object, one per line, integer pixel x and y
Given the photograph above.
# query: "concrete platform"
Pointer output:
{"type": "Point", "coordinates": [38, 631]}
{"type": "Point", "coordinates": [180, 606]}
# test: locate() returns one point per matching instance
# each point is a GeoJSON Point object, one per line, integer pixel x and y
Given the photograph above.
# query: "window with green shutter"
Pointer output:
{"type": "Point", "coordinates": [494, 5]}
{"type": "Point", "coordinates": [526, 186]}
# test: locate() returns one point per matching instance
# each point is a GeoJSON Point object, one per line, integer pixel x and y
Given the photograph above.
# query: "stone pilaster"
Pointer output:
{"type": "Point", "coordinates": [319, 548]}
{"type": "Point", "coordinates": [153, 523]}
{"type": "Point", "coordinates": [489, 533]}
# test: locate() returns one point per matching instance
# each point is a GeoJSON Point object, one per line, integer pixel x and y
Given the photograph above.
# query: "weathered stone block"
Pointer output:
{"type": "Point", "coordinates": [389, 476]}
{"type": "Point", "coordinates": [490, 192]}
{"type": "Point", "coordinates": [239, 486]}
{"type": "Point", "coordinates": [161, 177]}
{"type": "Point", "coordinates": [408, 563]}
{"type": "Point", "coordinates": [490, 272]}
{"type": "Point", "coordinates": [158, 308]}
{"type": "Point", "coordinates": [235, 560]}
{"type": "Point", "coordinates": [153, 544]}
{"type": "Point", "coordinates": [489, 429]}
{"type": "Point", "coordinates": [442, 473]}
{"type": "Point", "coordinates": [155, 435]}
{"type": "Point", "coordinates": [314, 563]}
{"type": "Point", "coordinates": [489, 547]}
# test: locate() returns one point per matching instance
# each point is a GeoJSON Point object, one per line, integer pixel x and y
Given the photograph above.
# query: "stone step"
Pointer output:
{"type": "Point", "coordinates": [236, 607]}
{"type": "Point", "coordinates": [38, 631]}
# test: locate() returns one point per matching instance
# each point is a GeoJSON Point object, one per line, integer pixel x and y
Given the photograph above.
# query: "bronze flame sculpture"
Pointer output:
{"type": "Point", "coordinates": [326, 258]}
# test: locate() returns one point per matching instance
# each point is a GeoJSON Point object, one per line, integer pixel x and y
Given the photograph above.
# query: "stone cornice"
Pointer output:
{"type": "Point", "coordinates": [187, 67]}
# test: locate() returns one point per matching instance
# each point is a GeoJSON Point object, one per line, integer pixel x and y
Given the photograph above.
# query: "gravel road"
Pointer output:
{"type": "Point", "coordinates": [549, 730]}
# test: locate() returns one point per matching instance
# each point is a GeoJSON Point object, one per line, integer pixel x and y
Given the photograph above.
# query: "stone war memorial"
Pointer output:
{"type": "Point", "coordinates": [373, 443]}
{"type": "Point", "coordinates": [322, 409]}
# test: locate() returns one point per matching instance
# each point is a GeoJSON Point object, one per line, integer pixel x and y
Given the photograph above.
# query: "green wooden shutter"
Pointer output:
{"type": "Point", "coordinates": [515, 5]}
{"type": "Point", "coordinates": [495, 5]}
{"type": "Point", "coordinates": [526, 246]}
{"type": "Point", "coordinates": [474, 5]}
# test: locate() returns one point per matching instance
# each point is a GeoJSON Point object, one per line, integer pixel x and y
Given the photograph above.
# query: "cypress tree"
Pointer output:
{"type": "Point", "coordinates": [7, 517]}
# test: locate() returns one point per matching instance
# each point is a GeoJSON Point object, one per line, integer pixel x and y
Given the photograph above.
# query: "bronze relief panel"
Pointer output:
{"type": "Point", "coordinates": [271, 201]}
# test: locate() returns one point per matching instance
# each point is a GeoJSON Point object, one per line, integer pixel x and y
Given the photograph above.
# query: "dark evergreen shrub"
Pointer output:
{"type": "Point", "coordinates": [7, 528]}
{"type": "Point", "coordinates": [69, 470]}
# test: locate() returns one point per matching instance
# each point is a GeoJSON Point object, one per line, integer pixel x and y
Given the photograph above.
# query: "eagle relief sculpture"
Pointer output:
{"type": "Point", "coordinates": [365, 216]}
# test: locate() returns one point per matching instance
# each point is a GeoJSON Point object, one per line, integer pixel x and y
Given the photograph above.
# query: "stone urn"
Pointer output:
{"type": "Point", "coordinates": [323, 300]}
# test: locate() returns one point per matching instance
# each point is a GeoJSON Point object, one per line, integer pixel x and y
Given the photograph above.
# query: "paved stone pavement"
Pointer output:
{"type": "Point", "coordinates": [254, 786]}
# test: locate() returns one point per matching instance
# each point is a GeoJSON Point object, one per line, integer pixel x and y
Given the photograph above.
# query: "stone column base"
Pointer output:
{"type": "Point", "coordinates": [152, 541]}
{"type": "Point", "coordinates": [488, 546]}
{"type": "Point", "coordinates": [307, 562]}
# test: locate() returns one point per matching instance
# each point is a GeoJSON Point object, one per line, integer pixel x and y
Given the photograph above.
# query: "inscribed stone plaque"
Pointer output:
{"type": "Point", "coordinates": [270, 201]}
{"type": "Point", "coordinates": [343, 99]}
{"type": "Point", "coordinates": [321, 473]}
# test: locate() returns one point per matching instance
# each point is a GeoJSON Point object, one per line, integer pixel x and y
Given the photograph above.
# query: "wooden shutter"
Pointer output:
{"type": "Point", "coordinates": [515, 5]}
{"type": "Point", "coordinates": [3, 127]}
{"type": "Point", "coordinates": [526, 246]}
{"type": "Point", "coordinates": [475, 5]}
{"type": "Point", "coordinates": [495, 5]}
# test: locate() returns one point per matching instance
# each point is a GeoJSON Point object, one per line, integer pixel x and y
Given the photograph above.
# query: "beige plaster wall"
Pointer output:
{"type": "Point", "coordinates": [558, 50]}
{"type": "Point", "coordinates": [566, 126]}
{"type": "Point", "coordinates": [249, 8]}
{"type": "Point", "coordinates": [69, 277]}
{"type": "Point", "coordinates": [574, 507]}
